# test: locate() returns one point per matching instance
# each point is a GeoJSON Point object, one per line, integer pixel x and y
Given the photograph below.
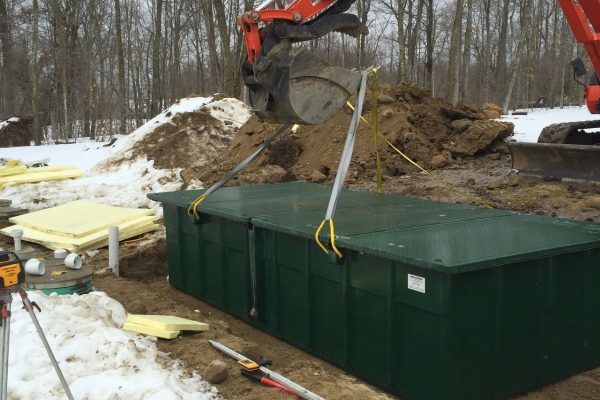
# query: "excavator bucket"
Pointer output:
{"type": "Point", "coordinates": [294, 86]}
{"type": "Point", "coordinates": [566, 150]}
{"type": "Point", "coordinates": [556, 160]}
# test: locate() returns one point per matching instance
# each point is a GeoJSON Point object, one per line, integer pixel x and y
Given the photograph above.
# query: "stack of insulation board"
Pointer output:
{"type": "Point", "coordinates": [19, 174]}
{"type": "Point", "coordinates": [81, 225]}
{"type": "Point", "coordinates": [162, 326]}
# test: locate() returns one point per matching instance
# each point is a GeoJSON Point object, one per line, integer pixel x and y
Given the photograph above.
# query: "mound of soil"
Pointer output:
{"type": "Point", "coordinates": [16, 131]}
{"type": "Point", "coordinates": [187, 140]}
{"type": "Point", "coordinates": [184, 140]}
{"type": "Point", "coordinates": [429, 130]}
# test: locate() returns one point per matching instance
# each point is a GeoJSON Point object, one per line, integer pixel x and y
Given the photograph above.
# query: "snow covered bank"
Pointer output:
{"type": "Point", "coordinates": [122, 174]}
{"type": "Point", "coordinates": [528, 127]}
{"type": "Point", "coordinates": [99, 360]}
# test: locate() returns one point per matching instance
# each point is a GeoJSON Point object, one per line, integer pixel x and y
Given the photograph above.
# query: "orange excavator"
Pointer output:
{"type": "Point", "coordinates": [289, 84]}
{"type": "Point", "coordinates": [571, 149]}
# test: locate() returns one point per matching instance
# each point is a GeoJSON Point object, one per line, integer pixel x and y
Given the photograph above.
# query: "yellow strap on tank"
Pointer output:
{"type": "Point", "coordinates": [407, 158]}
{"type": "Point", "coordinates": [332, 237]}
{"type": "Point", "coordinates": [374, 83]}
{"type": "Point", "coordinates": [193, 208]}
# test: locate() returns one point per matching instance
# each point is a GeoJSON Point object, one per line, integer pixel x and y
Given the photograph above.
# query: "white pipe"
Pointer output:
{"type": "Point", "coordinates": [73, 261]}
{"type": "Point", "coordinates": [17, 234]}
{"type": "Point", "coordinates": [60, 253]}
{"type": "Point", "coordinates": [35, 267]}
{"type": "Point", "coordinates": [113, 249]}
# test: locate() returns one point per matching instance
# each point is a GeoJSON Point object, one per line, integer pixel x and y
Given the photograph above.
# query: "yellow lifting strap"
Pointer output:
{"type": "Point", "coordinates": [193, 208]}
{"type": "Point", "coordinates": [407, 158]}
{"type": "Point", "coordinates": [331, 236]}
{"type": "Point", "coordinates": [374, 84]}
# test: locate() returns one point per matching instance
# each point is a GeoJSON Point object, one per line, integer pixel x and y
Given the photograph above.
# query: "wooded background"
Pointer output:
{"type": "Point", "coordinates": [98, 67]}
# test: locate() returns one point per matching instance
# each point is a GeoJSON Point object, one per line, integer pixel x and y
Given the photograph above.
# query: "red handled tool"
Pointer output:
{"type": "Point", "coordinates": [258, 376]}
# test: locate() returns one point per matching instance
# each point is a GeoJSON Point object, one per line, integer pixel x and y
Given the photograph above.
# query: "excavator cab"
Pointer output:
{"type": "Point", "coordinates": [286, 82]}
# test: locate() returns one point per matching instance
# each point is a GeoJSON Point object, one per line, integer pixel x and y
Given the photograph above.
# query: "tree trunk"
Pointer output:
{"type": "Point", "coordinates": [211, 43]}
{"type": "Point", "coordinates": [466, 61]}
{"type": "Point", "coordinates": [429, 45]}
{"type": "Point", "coordinates": [454, 59]}
{"type": "Point", "coordinates": [502, 54]}
{"type": "Point", "coordinates": [35, 108]}
{"type": "Point", "coordinates": [228, 73]}
{"type": "Point", "coordinates": [8, 87]}
{"type": "Point", "coordinates": [121, 61]}
{"type": "Point", "coordinates": [156, 57]}
{"type": "Point", "coordinates": [401, 76]}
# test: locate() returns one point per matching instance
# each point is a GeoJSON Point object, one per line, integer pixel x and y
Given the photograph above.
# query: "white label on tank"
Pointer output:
{"type": "Point", "coordinates": [416, 283]}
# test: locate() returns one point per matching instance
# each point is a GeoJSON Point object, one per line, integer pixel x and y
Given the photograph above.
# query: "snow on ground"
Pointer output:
{"type": "Point", "coordinates": [124, 184]}
{"type": "Point", "coordinates": [99, 360]}
{"type": "Point", "coordinates": [528, 127]}
{"type": "Point", "coordinates": [84, 154]}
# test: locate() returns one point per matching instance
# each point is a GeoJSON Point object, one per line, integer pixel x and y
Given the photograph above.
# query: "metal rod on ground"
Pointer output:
{"type": "Point", "coordinates": [6, 306]}
{"type": "Point", "coordinates": [113, 249]}
{"type": "Point", "coordinates": [282, 380]}
{"type": "Point", "coordinates": [29, 307]}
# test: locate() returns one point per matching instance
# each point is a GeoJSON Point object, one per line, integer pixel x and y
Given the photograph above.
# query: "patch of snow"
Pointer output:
{"type": "Point", "coordinates": [106, 180]}
{"type": "Point", "coordinates": [98, 359]}
{"type": "Point", "coordinates": [230, 110]}
{"type": "Point", "coordinates": [528, 127]}
{"type": "Point", "coordinates": [189, 104]}
{"type": "Point", "coordinates": [8, 121]}
{"type": "Point", "coordinates": [125, 186]}
{"type": "Point", "coordinates": [84, 154]}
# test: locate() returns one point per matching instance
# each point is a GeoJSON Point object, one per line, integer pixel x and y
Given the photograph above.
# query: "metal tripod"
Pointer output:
{"type": "Point", "coordinates": [5, 314]}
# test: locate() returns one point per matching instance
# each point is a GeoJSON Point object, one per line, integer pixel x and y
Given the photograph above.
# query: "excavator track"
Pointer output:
{"type": "Point", "coordinates": [571, 133]}
{"type": "Point", "coordinates": [563, 150]}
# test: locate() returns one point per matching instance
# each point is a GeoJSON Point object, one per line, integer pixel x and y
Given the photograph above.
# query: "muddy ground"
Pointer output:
{"type": "Point", "coordinates": [461, 147]}
{"type": "Point", "coordinates": [143, 288]}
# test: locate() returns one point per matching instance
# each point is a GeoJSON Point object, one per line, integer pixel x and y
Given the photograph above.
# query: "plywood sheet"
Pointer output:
{"type": "Point", "coordinates": [167, 322]}
{"type": "Point", "coordinates": [147, 330]}
{"type": "Point", "coordinates": [79, 218]}
{"type": "Point", "coordinates": [53, 241]}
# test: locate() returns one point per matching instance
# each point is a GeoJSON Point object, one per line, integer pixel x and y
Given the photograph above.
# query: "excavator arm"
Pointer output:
{"type": "Point", "coordinates": [584, 18]}
{"type": "Point", "coordinates": [571, 149]}
{"type": "Point", "coordinates": [287, 83]}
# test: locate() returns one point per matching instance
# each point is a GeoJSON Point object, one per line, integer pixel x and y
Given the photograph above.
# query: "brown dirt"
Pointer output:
{"type": "Point", "coordinates": [430, 130]}
{"type": "Point", "coordinates": [190, 139]}
{"type": "Point", "coordinates": [425, 131]}
{"type": "Point", "coordinates": [178, 144]}
{"type": "Point", "coordinates": [144, 287]}
{"type": "Point", "coordinates": [18, 133]}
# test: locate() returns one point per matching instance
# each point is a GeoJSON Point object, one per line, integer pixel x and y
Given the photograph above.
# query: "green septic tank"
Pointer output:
{"type": "Point", "coordinates": [431, 300]}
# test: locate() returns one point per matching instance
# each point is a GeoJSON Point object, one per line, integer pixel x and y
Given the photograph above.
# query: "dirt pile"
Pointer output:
{"type": "Point", "coordinates": [191, 133]}
{"type": "Point", "coordinates": [16, 131]}
{"type": "Point", "coordinates": [187, 140]}
{"type": "Point", "coordinates": [431, 131]}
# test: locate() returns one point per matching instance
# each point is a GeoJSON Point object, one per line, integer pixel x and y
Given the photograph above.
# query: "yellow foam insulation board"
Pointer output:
{"type": "Point", "coordinates": [17, 169]}
{"type": "Point", "coordinates": [79, 218]}
{"type": "Point", "coordinates": [104, 243]}
{"type": "Point", "coordinates": [33, 175]}
{"type": "Point", "coordinates": [167, 322]}
{"type": "Point", "coordinates": [148, 330]}
{"type": "Point", "coordinates": [93, 241]}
